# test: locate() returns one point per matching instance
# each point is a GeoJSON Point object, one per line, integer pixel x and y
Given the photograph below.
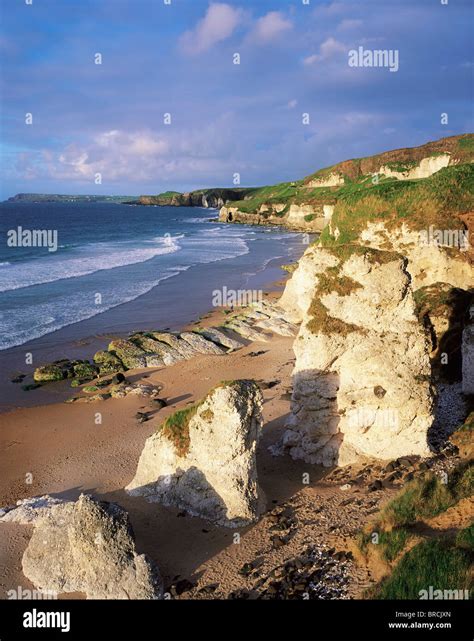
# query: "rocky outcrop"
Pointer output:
{"type": "Point", "coordinates": [202, 459]}
{"type": "Point", "coordinates": [423, 169]}
{"type": "Point", "coordinates": [246, 329]}
{"type": "Point", "coordinates": [218, 335]}
{"type": "Point", "coordinates": [57, 371]}
{"type": "Point", "coordinates": [361, 379]}
{"type": "Point", "coordinates": [108, 363]}
{"type": "Point", "coordinates": [178, 344]}
{"type": "Point", "coordinates": [334, 179]}
{"type": "Point", "coordinates": [201, 344]}
{"type": "Point", "coordinates": [429, 262]}
{"type": "Point", "coordinates": [131, 356]}
{"type": "Point", "coordinates": [84, 546]}
{"type": "Point", "coordinates": [298, 216]}
{"type": "Point", "coordinates": [213, 198]}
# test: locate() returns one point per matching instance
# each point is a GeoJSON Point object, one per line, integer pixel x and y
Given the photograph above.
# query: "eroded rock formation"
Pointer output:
{"type": "Point", "coordinates": [361, 383]}
{"type": "Point", "coordinates": [202, 459]}
{"type": "Point", "coordinates": [84, 546]}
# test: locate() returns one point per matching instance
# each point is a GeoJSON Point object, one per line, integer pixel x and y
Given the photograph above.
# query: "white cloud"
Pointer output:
{"type": "Point", "coordinates": [348, 24]}
{"type": "Point", "coordinates": [218, 24]}
{"type": "Point", "coordinates": [328, 49]}
{"type": "Point", "coordinates": [270, 26]}
{"type": "Point", "coordinates": [292, 104]}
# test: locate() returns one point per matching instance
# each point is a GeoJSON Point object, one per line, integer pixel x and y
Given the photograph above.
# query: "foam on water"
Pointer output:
{"type": "Point", "coordinates": [44, 292]}
{"type": "Point", "coordinates": [97, 257]}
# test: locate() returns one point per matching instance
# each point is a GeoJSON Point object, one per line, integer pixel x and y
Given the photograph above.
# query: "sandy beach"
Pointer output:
{"type": "Point", "coordinates": [58, 449]}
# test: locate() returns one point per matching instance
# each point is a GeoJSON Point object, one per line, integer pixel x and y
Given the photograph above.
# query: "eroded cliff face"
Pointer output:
{"type": "Point", "coordinates": [361, 383]}
{"type": "Point", "coordinates": [429, 262]}
{"type": "Point", "coordinates": [309, 218]}
{"type": "Point", "coordinates": [213, 198]}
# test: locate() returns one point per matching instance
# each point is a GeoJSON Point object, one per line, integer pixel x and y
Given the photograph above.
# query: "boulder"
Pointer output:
{"type": "Point", "coordinates": [49, 373]}
{"type": "Point", "coordinates": [84, 371]}
{"type": "Point", "coordinates": [201, 344]}
{"type": "Point", "coordinates": [246, 330]}
{"type": "Point", "coordinates": [202, 459]}
{"type": "Point", "coordinates": [84, 546]}
{"type": "Point", "coordinates": [177, 343]}
{"type": "Point", "coordinates": [218, 335]}
{"type": "Point", "coordinates": [108, 363]}
{"type": "Point", "coordinates": [160, 350]}
{"type": "Point", "coordinates": [132, 356]}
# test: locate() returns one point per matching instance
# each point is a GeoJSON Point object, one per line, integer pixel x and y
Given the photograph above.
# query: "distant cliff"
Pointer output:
{"type": "Point", "coordinates": [65, 198]}
{"type": "Point", "coordinates": [214, 198]}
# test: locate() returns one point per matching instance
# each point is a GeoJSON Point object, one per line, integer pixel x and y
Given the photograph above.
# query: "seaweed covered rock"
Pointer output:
{"type": "Point", "coordinates": [202, 459]}
{"type": "Point", "coordinates": [132, 356]}
{"type": "Point", "coordinates": [84, 371]}
{"type": "Point", "coordinates": [84, 546]}
{"type": "Point", "coordinates": [49, 373]}
{"type": "Point", "coordinates": [108, 363]}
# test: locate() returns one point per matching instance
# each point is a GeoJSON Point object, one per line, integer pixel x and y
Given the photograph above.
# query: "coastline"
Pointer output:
{"type": "Point", "coordinates": [64, 453]}
{"type": "Point", "coordinates": [185, 305]}
{"type": "Point", "coordinates": [67, 453]}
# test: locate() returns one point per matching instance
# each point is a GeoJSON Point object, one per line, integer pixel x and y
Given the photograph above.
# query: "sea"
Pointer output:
{"type": "Point", "coordinates": [119, 267]}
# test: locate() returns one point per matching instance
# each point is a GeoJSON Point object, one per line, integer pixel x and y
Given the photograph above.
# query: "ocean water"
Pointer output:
{"type": "Point", "coordinates": [110, 254]}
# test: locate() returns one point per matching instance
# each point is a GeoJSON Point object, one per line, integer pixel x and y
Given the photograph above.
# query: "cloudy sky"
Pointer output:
{"type": "Point", "coordinates": [226, 118]}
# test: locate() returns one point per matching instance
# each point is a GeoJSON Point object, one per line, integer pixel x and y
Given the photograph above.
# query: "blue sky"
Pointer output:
{"type": "Point", "coordinates": [178, 58]}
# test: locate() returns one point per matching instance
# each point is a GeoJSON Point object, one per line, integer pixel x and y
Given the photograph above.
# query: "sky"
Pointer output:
{"type": "Point", "coordinates": [169, 108]}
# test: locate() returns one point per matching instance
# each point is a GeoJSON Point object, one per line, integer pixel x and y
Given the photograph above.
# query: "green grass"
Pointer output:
{"type": "Point", "coordinates": [430, 563]}
{"type": "Point", "coordinates": [466, 144]}
{"type": "Point", "coordinates": [389, 544]}
{"type": "Point", "coordinates": [402, 166]}
{"type": "Point", "coordinates": [176, 429]}
{"type": "Point", "coordinates": [169, 194]}
{"type": "Point", "coordinates": [465, 538]}
{"type": "Point", "coordinates": [428, 496]}
{"type": "Point", "coordinates": [430, 201]}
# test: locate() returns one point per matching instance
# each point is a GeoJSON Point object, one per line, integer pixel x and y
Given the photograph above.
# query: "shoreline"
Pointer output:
{"type": "Point", "coordinates": [64, 453]}
{"type": "Point", "coordinates": [146, 312]}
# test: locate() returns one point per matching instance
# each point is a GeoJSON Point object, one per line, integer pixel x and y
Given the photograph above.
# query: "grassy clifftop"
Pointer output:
{"type": "Point", "coordinates": [438, 200]}
{"type": "Point", "coordinates": [430, 184]}
{"type": "Point", "coordinates": [359, 178]}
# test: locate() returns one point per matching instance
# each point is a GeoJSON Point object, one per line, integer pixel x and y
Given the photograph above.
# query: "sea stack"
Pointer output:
{"type": "Point", "coordinates": [203, 458]}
